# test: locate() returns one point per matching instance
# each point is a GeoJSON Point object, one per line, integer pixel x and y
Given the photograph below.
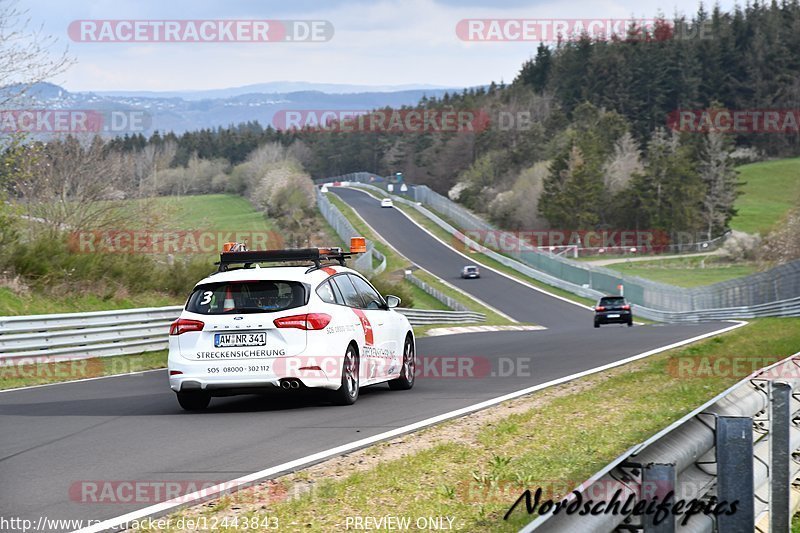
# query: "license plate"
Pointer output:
{"type": "Point", "coordinates": [226, 340]}
{"type": "Point", "coordinates": [613, 316]}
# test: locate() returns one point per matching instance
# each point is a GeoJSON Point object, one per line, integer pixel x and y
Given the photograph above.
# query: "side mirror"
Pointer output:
{"type": "Point", "coordinates": [392, 301]}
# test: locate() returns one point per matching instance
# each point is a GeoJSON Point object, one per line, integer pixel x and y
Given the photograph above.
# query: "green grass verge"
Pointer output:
{"type": "Point", "coordinates": [227, 212]}
{"type": "Point", "coordinates": [685, 272]}
{"type": "Point", "coordinates": [492, 318]}
{"type": "Point", "coordinates": [394, 261]}
{"type": "Point", "coordinates": [33, 303]}
{"type": "Point", "coordinates": [14, 376]}
{"type": "Point", "coordinates": [222, 212]}
{"type": "Point", "coordinates": [769, 190]}
{"type": "Point", "coordinates": [555, 439]}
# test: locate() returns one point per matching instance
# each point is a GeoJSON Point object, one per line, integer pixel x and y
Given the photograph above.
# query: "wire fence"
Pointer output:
{"type": "Point", "coordinates": [778, 284]}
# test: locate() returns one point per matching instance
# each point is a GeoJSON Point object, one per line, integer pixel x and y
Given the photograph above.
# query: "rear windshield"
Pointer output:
{"type": "Point", "coordinates": [247, 297]}
{"type": "Point", "coordinates": [617, 300]}
{"type": "Point", "coordinates": [471, 269]}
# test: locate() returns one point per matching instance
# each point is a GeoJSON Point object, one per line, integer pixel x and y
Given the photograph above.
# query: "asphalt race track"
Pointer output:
{"type": "Point", "coordinates": [515, 300]}
{"type": "Point", "coordinates": [130, 428]}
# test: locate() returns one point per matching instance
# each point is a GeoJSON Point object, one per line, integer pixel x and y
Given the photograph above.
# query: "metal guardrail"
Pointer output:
{"type": "Point", "coordinates": [436, 293]}
{"type": "Point", "coordinates": [788, 307]}
{"type": "Point", "coordinates": [81, 335]}
{"type": "Point", "coordinates": [421, 317]}
{"type": "Point", "coordinates": [780, 284]}
{"type": "Point", "coordinates": [45, 338]}
{"type": "Point", "coordinates": [346, 231]}
{"type": "Point", "coordinates": [743, 446]}
{"type": "Point", "coordinates": [376, 270]}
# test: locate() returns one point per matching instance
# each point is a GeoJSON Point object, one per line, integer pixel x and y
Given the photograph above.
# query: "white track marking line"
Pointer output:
{"type": "Point", "coordinates": [244, 481]}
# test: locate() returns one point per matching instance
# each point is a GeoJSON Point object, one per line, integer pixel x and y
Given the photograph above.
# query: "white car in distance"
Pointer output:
{"type": "Point", "coordinates": [246, 329]}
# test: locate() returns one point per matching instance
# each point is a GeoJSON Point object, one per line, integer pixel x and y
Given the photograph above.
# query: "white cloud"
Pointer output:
{"type": "Point", "coordinates": [388, 42]}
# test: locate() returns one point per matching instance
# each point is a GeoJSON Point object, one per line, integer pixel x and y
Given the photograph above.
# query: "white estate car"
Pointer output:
{"type": "Point", "coordinates": [321, 325]}
{"type": "Point", "coordinates": [387, 202]}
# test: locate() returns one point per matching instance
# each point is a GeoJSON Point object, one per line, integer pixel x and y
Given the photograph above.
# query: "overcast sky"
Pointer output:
{"type": "Point", "coordinates": [384, 42]}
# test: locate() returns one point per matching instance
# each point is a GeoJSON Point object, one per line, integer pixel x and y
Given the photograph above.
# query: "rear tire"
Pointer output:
{"type": "Point", "coordinates": [194, 401]}
{"type": "Point", "coordinates": [630, 323]}
{"type": "Point", "coordinates": [347, 393]}
{"type": "Point", "coordinates": [597, 324]}
{"type": "Point", "coordinates": [406, 379]}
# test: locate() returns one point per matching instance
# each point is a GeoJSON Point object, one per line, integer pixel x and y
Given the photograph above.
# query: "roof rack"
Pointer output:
{"type": "Point", "coordinates": [315, 255]}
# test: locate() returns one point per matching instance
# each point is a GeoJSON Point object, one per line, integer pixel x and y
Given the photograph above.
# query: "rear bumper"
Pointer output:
{"type": "Point", "coordinates": [226, 376]}
{"type": "Point", "coordinates": [604, 318]}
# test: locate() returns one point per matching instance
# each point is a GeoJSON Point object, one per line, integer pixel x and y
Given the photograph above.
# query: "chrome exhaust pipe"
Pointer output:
{"type": "Point", "coordinates": [285, 384]}
{"type": "Point", "coordinates": [295, 384]}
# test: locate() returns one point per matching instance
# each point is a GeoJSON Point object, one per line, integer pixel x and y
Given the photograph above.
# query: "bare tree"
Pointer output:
{"type": "Point", "coordinates": [719, 177]}
{"type": "Point", "coordinates": [623, 164]}
{"type": "Point", "coordinates": [25, 57]}
{"type": "Point", "coordinates": [68, 186]}
{"type": "Point", "coordinates": [150, 161]}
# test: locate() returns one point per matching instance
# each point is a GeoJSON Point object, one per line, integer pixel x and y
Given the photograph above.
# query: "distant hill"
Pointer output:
{"type": "Point", "coordinates": [188, 111]}
{"type": "Point", "coordinates": [276, 87]}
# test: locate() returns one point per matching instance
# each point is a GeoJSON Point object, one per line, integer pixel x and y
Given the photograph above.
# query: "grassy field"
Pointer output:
{"type": "Point", "coordinates": [209, 211]}
{"type": "Point", "coordinates": [769, 190]}
{"type": "Point", "coordinates": [472, 469]}
{"type": "Point", "coordinates": [32, 303]}
{"type": "Point", "coordinates": [213, 212]}
{"type": "Point", "coordinates": [685, 272]}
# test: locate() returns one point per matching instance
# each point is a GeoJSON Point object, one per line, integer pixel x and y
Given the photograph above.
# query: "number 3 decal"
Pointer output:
{"type": "Point", "coordinates": [206, 298]}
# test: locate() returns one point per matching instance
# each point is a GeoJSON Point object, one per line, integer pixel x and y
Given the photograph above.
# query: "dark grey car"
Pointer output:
{"type": "Point", "coordinates": [613, 310]}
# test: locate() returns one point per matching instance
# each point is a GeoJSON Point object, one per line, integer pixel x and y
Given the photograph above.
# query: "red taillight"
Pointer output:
{"type": "Point", "coordinates": [308, 321]}
{"type": "Point", "coordinates": [183, 325]}
{"type": "Point", "coordinates": [175, 372]}
{"type": "Point", "coordinates": [626, 307]}
{"type": "Point", "coordinates": [599, 308]}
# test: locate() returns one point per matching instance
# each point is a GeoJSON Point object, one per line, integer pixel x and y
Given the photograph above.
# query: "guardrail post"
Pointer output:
{"type": "Point", "coordinates": [780, 456]}
{"type": "Point", "coordinates": [658, 480]}
{"type": "Point", "coordinates": [734, 451]}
